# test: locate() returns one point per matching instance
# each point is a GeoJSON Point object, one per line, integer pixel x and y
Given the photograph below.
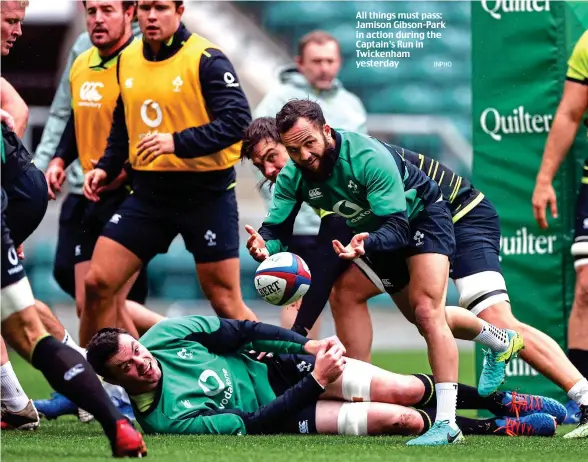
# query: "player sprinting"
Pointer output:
{"type": "Point", "coordinates": [194, 375]}
{"type": "Point", "coordinates": [399, 214]}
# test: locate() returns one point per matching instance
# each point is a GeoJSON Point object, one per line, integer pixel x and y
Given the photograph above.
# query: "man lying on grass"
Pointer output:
{"type": "Point", "coordinates": [197, 375]}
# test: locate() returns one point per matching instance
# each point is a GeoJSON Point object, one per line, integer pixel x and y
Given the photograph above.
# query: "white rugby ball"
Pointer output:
{"type": "Point", "coordinates": [282, 278]}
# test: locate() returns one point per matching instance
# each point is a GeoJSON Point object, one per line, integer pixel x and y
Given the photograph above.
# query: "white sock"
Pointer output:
{"type": "Point", "coordinates": [446, 402]}
{"type": "Point", "coordinates": [67, 340]}
{"type": "Point", "coordinates": [579, 392]}
{"type": "Point", "coordinates": [493, 337]}
{"type": "Point", "coordinates": [13, 396]}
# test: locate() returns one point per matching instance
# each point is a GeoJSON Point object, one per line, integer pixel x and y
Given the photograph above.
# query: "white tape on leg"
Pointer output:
{"type": "Point", "coordinates": [353, 419]}
{"type": "Point", "coordinates": [16, 297]}
{"type": "Point", "coordinates": [357, 381]}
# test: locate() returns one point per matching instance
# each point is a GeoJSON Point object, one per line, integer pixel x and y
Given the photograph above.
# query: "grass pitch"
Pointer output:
{"type": "Point", "coordinates": [68, 440]}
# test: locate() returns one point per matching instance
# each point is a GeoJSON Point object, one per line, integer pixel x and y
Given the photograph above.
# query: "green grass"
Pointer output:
{"type": "Point", "coordinates": [68, 440]}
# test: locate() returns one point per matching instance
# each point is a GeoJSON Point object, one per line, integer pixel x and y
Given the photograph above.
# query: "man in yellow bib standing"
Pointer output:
{"type": "Point", "coordinates": [179, 120]}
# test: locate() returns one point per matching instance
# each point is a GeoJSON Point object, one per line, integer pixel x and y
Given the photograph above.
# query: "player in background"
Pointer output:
{"type": "Point", "coordinates": [179, 120]}
{"type": "Point", "coordinates": [399, 215]}
{"type": "Point", "coordinates": [73, 205]}
{"type": "Point", "coordinates": [93, 76]}
{"type": "Point", "coordinates": [314, 75]}
{"type": "Point", "coordinates": [193, 375]}
{"type": "Point", "coordinates": [572, 108]}
{"type": "Point", "coordinates": [477, 251]}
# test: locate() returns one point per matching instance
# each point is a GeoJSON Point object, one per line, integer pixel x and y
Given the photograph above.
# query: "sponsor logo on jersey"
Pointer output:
{"type": "Point", "coordinates": [351, 211]}
{"type": "Point", "coordinates": [519, 121]}
{"type": "Point", "coordinates": [212, 385]}
{"type": "Point", "coordinates": [496, 8]}
{"type": "Point", "coordinates": [90, 95]}
{"type": "Point", "coordinates": [315, 193]}
{"type": "Point", "coordinates": [151, 114]}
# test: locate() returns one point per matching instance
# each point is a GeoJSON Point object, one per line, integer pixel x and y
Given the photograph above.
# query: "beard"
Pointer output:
{"type": "Point", "coordinates": [326, 164]}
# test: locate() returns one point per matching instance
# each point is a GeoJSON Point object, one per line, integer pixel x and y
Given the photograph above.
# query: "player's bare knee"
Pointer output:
{"type": "Point", "coordinates": [227, 306]}
{"type": "Point", "coordinates": [427, 316]}
{"type": "Point", "coordinates": [405, 422]}
{"type": "Point", "coordinates": [97, 285]}
{"type": "Point", "coordinates": [581, 295]}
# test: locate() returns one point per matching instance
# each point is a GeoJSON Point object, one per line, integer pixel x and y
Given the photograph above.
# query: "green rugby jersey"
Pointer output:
{"type": "Point", "coordinates": [370, 186]}
{"type": "Point", "coordinates": [210, 386]}
{"type": "Point", "coordinates": [456, 189]}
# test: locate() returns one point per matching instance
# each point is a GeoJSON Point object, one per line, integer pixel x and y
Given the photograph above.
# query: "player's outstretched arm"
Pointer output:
{"type": "Point", "coordinates": [325, 272]}
{"type": "Point", "coordinates": [278, 224]}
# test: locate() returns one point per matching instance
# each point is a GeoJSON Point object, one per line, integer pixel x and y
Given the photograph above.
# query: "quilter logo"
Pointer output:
{"type": "Point", "coordinates": [496, 8]}
{"type": "Point", "coordinates": [519, 121]}
{"type": "Point", "coordinates": [526, 243]}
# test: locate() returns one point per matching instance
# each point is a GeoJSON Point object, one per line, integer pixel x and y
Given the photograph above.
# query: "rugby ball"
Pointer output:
{"type": "Point", "coordinates": [282, 278]}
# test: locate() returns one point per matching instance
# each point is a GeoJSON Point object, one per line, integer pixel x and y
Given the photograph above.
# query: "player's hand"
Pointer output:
{"type": "Point", "coordinates": [7, 119]}
{"type": "Point", "coordinates": [353, 250]}
{"type": "Point", "coordinates": [153, 146]}
{"type": "Point", "coordinates": [328, 366]}
{"type": "Point", "coordinates": [93, 180]}
{"type": "Point", "coordinates": [114, 184]}
{"type": "Point", "coordinates": [55, 176]}
{"type": "Point", "coordinates": [256, 245]}
{"type": "Point", "coordinates": [543, 197]}
{"type": "Point", "coordinates": [312, 347]}
{"type": "Point", "coordinates": [20, 252]}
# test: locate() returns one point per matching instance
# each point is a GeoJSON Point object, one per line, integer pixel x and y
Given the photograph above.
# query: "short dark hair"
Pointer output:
{"type": "Point", "coordinates": [317, 36]}
{"type": "Point", "coordinates": [260, 129]}
{"type": "Point", "coordinates": [103, 346]}
{"type": "Point", "coordinates": [299, 109]}
{"type": "Point", "coordinates": [126, 4]}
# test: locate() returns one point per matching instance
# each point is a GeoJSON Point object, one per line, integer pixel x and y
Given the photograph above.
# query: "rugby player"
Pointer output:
{"type": "Point", "coordinates": [572, 108]}
{"type": "Point", "coordinates": [64, 368]}
{"type": "Point", "coordinates": [73, 205]}
{"type": "Point", "coordinates": [313, 76]}
{"type": "Point", "coordinates": [178, 121]}
{"type": "Point", "coordinates": [24, 186]}
{"type": "Point", "coordinates": [194, 375]}
{"type": "Point", "coordinates": [402, 216]}
{"type": "Point", "coordinates": [94, 86]}
{"type": "Point", "coordinates": [477, 253]}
